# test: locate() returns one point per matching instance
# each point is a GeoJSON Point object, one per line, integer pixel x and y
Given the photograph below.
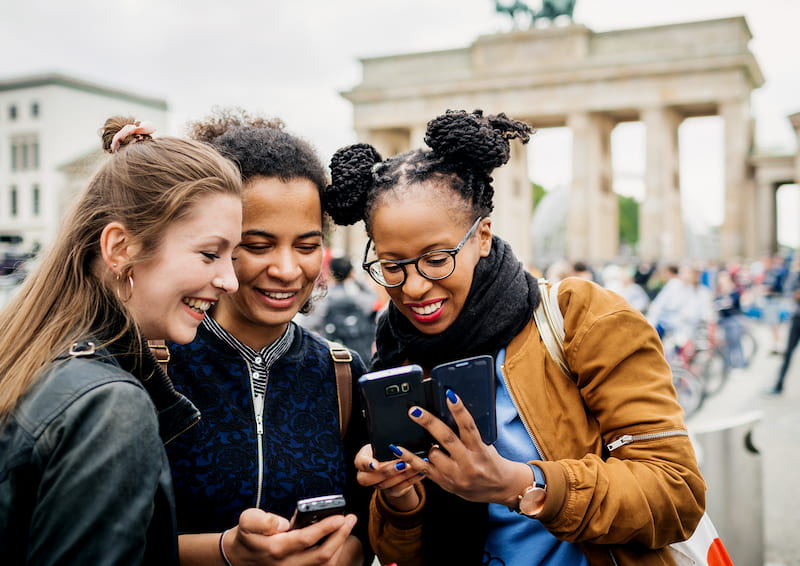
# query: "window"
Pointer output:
{"type": "Point", "coordinates": [37, 200]}
{"type": "Point", "coordinates": [35, 109]}
{"type": "Point", "coordinates": [14, 195]}
{"type": "Point", "coordinates": [25, 153]}
{"type": "Point", "coordinates": [12, 112]}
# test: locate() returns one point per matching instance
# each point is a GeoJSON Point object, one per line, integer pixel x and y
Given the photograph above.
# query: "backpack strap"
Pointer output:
{"type": "Point", "coordinates": [161, 352]}
{"type": "Point", "coordinates": [344, 379]}
{"type": "Point", "coordinates": [550, 323]}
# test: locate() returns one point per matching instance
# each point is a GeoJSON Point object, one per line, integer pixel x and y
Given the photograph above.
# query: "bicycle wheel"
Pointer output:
{"type": "Point", "coordinates": [710, 366]}
{"type": "Point", "coordinates": [690, 389]}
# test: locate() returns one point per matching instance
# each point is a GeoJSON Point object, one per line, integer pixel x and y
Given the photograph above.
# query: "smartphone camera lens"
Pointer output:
{"type": "Point", "coordinates": [392, 390]}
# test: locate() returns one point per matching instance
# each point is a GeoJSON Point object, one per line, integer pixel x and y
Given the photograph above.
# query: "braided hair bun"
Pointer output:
{"type": "Point", "coordinates": [345, 199]}
{"type": "Point", "coordinates": [475, 141]}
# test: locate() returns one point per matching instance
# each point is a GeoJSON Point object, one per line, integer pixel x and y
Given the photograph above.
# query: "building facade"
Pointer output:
{"type": "Point", "coordinates": [49, 129]}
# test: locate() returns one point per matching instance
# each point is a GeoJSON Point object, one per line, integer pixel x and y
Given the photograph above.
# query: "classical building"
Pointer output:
{"type": "Point", "coordinates": [49, 127]}
{"type": "Point", "coordinates": [590, 82]}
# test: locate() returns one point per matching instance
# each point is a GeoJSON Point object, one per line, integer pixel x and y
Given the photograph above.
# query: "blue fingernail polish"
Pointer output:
{"type": "Point", "coordinates": [426, 460]}
{"type": "Point", "coordinates": [451, 396]}
{"type": "Point", "coordinates": [400, 466]}
{"type": "Point", "coordinates": [371, 466]}
{"type": "Point", "coordinates": [416, 412]}
{"type": "Point", "coordinates": [396, 450]}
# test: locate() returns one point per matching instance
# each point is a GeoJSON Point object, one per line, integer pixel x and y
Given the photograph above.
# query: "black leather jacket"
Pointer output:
{"type": "Point", "coordinates": [84, 478]}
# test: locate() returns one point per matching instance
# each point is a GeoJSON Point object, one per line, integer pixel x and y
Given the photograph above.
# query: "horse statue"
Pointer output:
{"type": "Point", "coordinates": [513, 10]}
{"type": "Point", "coordinates": [550, 10]}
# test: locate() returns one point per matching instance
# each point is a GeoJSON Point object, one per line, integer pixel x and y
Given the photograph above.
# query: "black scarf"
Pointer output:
{"type": "Point", "coordinates": [499, 305]}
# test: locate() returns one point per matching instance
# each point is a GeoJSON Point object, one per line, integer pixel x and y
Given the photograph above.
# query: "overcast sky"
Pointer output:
{"type": "Point", "coordinates": [291, 58]}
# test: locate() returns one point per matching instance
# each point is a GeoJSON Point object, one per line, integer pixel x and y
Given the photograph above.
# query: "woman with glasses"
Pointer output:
{"type": "Point", "coordinates": [591, 469]}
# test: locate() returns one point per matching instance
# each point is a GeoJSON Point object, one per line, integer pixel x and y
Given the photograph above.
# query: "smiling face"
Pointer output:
{"type": "Point", "coordinates": [278, 261]}
{"type": "Point", "coordinates": [173, 289]}
{"type": "Point", "coordinates": [418, 220]}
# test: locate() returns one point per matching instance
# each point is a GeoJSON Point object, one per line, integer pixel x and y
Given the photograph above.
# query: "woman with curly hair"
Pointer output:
{"type": "Point", "coordinates": [596, 468]}
{"type": "Point", "coordinates": [267, 388]}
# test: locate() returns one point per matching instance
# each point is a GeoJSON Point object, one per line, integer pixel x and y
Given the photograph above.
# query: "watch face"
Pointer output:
{"type": "Point", "coordinates": [533, 501]}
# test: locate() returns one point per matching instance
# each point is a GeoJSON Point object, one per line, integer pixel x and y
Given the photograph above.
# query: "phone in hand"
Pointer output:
{"type": "Point", "coordinates": [388, 395]}
{"type": "Point", "coordinates": [314, 509]}
{"type": "Point", "coordinates": [472, 379]}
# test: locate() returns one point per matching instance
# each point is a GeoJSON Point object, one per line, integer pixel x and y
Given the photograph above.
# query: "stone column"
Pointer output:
{"type": "Point", "coordinates": [661, 234]}
{"type": "Point", "coordinates": [738, 142]}
{"type": "Point", "coordinates": [592, 219]}
{"type": "Point", "coordinates": [513, 203]}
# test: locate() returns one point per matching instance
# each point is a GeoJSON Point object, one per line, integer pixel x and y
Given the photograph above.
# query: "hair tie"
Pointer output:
{"type": "Point", "coordinates": [143, 128]}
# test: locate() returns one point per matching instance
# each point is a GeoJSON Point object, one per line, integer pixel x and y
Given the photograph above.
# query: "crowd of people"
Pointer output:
{"type": "Point", "coordinates": [169, 393]}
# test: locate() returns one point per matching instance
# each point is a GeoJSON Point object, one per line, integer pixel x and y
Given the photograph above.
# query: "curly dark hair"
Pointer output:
{"type": "Point", "coordinates": [261, 147]}
{"type": "Point", "coordinates": [465, 149]}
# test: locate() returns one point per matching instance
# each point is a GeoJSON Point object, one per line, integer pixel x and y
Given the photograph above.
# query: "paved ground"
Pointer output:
{"type": "Point", "coordinates": [776, 435]}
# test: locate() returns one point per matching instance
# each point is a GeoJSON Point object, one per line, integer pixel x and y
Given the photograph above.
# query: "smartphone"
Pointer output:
{"type": "Point", "coordinates": [388, 395]}
{"type": "Point", "coordinates": [472, 379]}
{"type": "Point", "coordinates": [314, 509]}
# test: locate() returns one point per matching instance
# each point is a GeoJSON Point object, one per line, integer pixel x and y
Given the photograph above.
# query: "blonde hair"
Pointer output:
{"type": "Point", "coordinates": [146, 185]}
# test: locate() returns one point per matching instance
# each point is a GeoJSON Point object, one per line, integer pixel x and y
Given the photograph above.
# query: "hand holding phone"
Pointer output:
{"type": "Point", "coordinates": [314, 509]}
{"type": "Point", "coordinates": [388, 395]}
{"type": "Point", "coordinates": [472, 379]}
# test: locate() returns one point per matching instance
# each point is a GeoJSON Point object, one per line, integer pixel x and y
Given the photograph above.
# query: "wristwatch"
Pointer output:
{"type": "Point", "coordinates": [531, 501]}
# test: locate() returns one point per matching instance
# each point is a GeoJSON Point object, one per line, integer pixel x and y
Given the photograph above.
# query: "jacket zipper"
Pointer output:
{"type": "Point", "coordinates": [258, 413]}
{"type": "Point", "coordinates": [630, 438]}
{"type": "Point", "coordinates": [521, 417]}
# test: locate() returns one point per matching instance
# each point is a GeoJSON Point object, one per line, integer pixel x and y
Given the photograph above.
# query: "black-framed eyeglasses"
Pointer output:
{"type": "Point", "coordinates": [433, 265]}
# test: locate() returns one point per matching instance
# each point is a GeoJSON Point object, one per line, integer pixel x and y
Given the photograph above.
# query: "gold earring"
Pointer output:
{"type": "Point", "coordinates": [121, 284]}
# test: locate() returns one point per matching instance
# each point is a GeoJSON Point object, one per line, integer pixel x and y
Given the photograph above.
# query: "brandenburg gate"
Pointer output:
{"type": "Point", "coordinates": [589, 82]}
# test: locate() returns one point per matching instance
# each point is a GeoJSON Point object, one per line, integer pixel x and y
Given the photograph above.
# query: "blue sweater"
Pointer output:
{"type": "Point", "coordinates": [215, 463]}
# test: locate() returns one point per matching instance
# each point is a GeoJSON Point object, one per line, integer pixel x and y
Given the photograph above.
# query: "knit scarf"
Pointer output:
{"type": "Point", "coordinates": [500, 303]}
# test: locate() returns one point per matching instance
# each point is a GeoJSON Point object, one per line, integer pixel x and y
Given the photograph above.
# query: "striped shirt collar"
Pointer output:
{"type": "Point", "coordinates": [262, 359]}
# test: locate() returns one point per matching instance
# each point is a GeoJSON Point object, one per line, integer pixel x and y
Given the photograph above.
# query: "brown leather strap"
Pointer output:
{"type": "Point", "coordinates": [344, 380]}
{"type": "Point", "coordinates": [161, 352]}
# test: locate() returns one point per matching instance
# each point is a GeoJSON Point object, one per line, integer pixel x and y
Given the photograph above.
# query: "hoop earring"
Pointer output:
{"type": "Point", "coordinates": [120, 284]}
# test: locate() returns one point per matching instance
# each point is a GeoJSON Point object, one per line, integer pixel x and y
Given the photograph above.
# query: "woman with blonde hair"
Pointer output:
{"type": "Point", "coordinates": [84, 407]}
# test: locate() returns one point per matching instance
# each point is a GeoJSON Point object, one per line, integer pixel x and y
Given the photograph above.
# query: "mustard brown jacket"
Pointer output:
{"type": "Point", "coordinates": [622, 477]}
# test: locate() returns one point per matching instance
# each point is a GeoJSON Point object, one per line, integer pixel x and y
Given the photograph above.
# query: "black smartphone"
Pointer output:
{"type": "Point", "coordinates": [472, 379]}
{"type": "Point", "coordinates": [314, 509]}
{"type": "Point", "coordinates": [388, 395]}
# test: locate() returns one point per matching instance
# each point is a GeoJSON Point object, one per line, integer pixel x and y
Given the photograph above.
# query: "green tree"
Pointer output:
{"type": "Point", "coordinates": [628, 220]}
{"type": "Point", "coordinates": [538, 194]}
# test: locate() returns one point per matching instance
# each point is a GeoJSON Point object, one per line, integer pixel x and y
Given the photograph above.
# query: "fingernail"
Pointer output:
{"type": "Point", "coordinates": [371, 466]}
{"type": "Point", "coordinates": [425, 460]}
{"type": "Point", "coordinates": [416, 412]}
{"type": "Point", "coordinates": [451, 396]}
{"type": "Point", "coordinates": [400, 466]}
{"type": "Point", "coordinates": [396, 450]}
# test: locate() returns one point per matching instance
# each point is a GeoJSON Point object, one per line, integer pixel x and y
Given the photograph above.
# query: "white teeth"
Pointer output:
{"type": "Point", "coordinates": [427, 309]}
{"type": "Point", "coordinates": [198, 304]}
{"type": "Point", "coordinates": [278, 296]}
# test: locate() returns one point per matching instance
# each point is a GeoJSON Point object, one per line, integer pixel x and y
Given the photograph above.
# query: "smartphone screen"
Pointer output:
{"type": "Point", "coordinates": [388, 395]}
{"type": "Point", "coordinates": [472, 379]}
{"type": "Point", "coordinates": [314, 509]}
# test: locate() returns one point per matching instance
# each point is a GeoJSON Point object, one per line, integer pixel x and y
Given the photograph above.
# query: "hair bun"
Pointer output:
{"type": "Point", "coordinates": [345, 199]}
{"type": "Point", "coordinates": [474, 141]}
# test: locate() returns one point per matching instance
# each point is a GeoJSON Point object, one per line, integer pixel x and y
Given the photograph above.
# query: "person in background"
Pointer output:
{"type": "Point", "coordinates": [793, 286]}
{"type": "Point", "coordinates": [346, 312]}
{"type": "Point", "coordinates": [683, 306]}
{"type": "Point", "coordinates": [727, 302]}
{"type": "Point", "coordinates": [85, 410]}
{"type": "Point", "coordinates": [548, 492]}
{"type": "Point", "coordinates": [620, 280]}
{"type": "Point", "coordinates": [772, 290]}
{"type": "Point", "coordinates": [271, 432]}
